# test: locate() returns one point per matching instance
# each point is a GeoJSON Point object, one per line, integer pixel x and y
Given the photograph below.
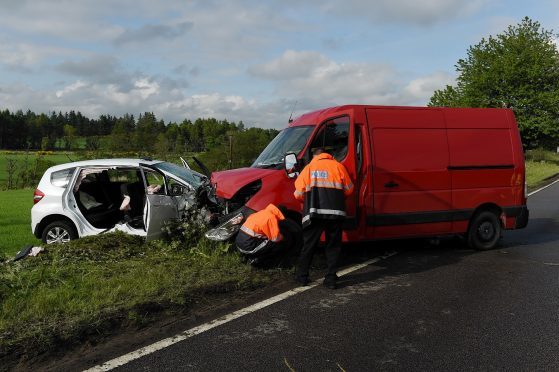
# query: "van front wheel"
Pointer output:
{"type": "Point", "coordinates": [485, 231]}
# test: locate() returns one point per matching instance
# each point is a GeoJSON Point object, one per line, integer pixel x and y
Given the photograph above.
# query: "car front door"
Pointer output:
{"type": "Point", "coordinates": [160, 206]}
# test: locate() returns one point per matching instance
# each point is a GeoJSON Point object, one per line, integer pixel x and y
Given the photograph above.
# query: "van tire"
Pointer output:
{"type": "Point", "coordinates": [59, 232]}
{"type": "Point", "coordinates": [485, 231]}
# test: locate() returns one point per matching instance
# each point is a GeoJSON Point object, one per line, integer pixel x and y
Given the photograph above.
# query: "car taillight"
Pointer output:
{"type": "Point", "coordinates": [37, 196]}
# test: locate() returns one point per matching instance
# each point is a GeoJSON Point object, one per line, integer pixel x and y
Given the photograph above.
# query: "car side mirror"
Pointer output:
{"type": "Point", "coordinates": [177, 189]}
{"type": "Point", "coordinates": [291, 165]}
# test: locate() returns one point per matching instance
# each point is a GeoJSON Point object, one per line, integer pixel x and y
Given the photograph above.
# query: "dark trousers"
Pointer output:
{"type": "Point", "coordinates": [311, 237]}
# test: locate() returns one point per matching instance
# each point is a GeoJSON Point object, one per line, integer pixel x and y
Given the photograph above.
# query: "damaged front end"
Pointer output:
{"type": "Point", "coordinates": [234, 212]}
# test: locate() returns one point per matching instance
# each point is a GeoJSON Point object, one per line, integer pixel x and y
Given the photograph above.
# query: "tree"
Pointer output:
{"type": "Point", "coordinates": [518, 69]}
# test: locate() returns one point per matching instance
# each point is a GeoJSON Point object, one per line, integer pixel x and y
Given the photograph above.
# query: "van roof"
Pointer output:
{"type": "Point", "coordinates": [316, 117]}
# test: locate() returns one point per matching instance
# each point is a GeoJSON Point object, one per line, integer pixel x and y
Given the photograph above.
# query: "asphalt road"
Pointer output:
{"type": "Point", "coordinates": [428, 307]}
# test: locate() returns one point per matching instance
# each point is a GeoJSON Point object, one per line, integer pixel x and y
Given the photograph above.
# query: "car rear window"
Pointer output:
{"type": "Point", "coordinates": [61, 178]}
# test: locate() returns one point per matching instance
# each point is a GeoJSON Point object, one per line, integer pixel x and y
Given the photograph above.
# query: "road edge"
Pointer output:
{"type": "Point", "coordinates": [162, 344]}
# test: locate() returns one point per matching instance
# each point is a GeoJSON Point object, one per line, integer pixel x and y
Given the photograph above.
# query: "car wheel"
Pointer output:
{"type": "Point", "coordinates": [59, 232]}
{"type": "Point", "coordinates": [485, 231]}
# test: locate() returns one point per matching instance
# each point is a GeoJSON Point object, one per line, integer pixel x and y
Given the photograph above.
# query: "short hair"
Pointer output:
{"type": "Point", "coordinates": [318, 151]}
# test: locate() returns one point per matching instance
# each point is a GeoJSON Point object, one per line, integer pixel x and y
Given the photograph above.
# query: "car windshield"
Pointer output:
{"type": "Point", "coordinates": [291, 139]}
{"type": "Point", "coordinates": [189, 176]}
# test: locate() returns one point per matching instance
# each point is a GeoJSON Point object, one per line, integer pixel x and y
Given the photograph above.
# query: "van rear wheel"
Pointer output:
{"type": "Point", "coordinates": [485, 231]}
{"type": "Point", "coordinates": [59, 232]}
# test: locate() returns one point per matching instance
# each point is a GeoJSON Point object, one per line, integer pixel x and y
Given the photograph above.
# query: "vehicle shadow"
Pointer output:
{"type": "Point", "coordinates": [412, 256]}
{"type": "Point", "coordinates": [538, 231]}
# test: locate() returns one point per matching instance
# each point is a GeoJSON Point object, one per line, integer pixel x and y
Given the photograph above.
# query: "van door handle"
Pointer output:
{"type": "Point", "coordinates": [391, 184]}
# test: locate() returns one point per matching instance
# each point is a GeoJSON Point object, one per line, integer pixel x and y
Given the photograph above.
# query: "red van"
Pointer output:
{"type": "Point", "coordinates": [418, 171]}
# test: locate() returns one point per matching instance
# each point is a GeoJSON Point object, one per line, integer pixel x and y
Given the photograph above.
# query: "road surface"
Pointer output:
{"type": "Point", "coordinates": [429, 307]}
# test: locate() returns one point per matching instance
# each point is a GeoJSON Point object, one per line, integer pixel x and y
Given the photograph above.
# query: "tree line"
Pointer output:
{"type": "Point", "coordinates": [516, 69]}
{"type": "Point", "coordinates": [144, 135]}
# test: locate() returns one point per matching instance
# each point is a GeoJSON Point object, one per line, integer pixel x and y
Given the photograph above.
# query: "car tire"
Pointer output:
{"type": "Point", "coordinates": [485, 231]}
{"type": "Point", "coordinates": [59, 232]}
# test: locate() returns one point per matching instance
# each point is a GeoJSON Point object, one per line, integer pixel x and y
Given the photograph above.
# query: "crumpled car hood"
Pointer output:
{"type": "Point", "coordinates": [229, 182]}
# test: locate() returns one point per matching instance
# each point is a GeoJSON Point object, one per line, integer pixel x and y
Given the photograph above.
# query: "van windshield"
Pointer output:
{"type": "Point", "coordinates": [292, 139]}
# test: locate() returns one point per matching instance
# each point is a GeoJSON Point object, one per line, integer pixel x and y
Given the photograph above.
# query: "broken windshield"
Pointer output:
{"type": "Point", "coordinates": [292, 139]}
{"type": "Point", "coordinates": [192, 178]}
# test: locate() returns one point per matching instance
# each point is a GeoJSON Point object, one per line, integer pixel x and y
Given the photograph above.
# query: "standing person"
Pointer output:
{"type": "Point", "coordinates": [267, 237]}
{"type": "Point", "coordinates": [323, 186]}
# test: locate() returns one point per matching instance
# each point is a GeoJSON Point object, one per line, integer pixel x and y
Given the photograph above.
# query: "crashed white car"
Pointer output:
{"type": "Point", "coordinates": [132, 195]}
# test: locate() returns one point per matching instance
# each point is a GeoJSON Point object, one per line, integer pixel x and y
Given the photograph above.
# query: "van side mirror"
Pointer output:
{"type": "Point", "coordinates": [291, 165]}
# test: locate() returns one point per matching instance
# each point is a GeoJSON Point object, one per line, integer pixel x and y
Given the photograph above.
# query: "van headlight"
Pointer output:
{"type": "Point", "coordinates": [227, 229]}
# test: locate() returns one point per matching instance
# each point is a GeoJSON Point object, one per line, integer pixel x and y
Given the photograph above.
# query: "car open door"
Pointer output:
{"type": "Point", "coordinates": [159, 207]}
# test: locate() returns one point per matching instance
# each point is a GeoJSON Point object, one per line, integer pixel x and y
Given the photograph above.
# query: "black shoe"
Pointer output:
{"type": "Point", "coordinates": [330, 282]}
{"type": "Point", "coordinates": [303, 282]}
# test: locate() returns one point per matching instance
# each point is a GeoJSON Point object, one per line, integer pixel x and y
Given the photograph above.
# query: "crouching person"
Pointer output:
{"type": "Point", "coordinates": [267, 238]}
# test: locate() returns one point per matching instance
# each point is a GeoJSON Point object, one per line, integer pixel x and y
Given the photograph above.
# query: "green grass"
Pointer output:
{"type": "Point", "coordinates": [94, 284]}
{"type": "Point", "coordinates": [538, 172]}
{"type": "Point", "coordinates": [15, 220]}
{"type": "Point", "coordinates": [28, 160]}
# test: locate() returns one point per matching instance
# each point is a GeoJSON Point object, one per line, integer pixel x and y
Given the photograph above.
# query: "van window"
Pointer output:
{"type": "Point", "coordinates": [334, 137]}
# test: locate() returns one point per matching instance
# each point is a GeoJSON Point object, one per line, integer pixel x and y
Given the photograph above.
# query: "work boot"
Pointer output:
{"type": "Point", "coordinates": [330, 281]}
{"type": "Point", "coordinates": [303, 281]}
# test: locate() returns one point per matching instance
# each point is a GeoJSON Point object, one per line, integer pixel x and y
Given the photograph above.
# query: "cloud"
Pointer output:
{"type": "Point", "coordinates": [425, 12]}
{"type": "Point", "coordinates": [150, 31]}
{"type": "Point", "coordinates": [422, 88]}
{"type": "Point", "coordinates": [312, 77]}
{"type": "Point", "coordinates": [26, 57]}
{"type": "Point", "coordinates": [290, 65]}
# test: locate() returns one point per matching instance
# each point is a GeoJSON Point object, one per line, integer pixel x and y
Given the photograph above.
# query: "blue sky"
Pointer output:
{"type": "Point", "coordinates": [239, 60]}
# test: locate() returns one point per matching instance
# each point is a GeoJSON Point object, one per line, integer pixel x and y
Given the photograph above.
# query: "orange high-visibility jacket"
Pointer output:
{"type": "Point", "coordinates": [259, 229]}
{"type": "Point", "coordinates": [323, 185]}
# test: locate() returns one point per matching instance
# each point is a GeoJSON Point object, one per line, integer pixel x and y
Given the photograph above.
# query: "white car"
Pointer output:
{"type": "Point", "coordinates": [94, 196]}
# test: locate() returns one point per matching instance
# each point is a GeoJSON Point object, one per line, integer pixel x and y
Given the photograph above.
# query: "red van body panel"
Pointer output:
{"type": "Point", "coordinates": [417, 171]}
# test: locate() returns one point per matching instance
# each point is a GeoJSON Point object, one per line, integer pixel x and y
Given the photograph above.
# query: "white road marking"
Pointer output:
{"type": "Point", "coordinates": [146, 350]}
{"type": "Point", "coordinates": [543, 188]}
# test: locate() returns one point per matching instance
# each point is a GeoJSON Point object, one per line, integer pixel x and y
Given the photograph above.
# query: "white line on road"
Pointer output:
{"type": "Point", "coordinates": [543, 188]}
{"type": "Point", "coordinates": [122, 360]}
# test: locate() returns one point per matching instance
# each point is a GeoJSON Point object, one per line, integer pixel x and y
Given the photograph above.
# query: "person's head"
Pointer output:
{"type": "Point", "coordinates": [317, 151]}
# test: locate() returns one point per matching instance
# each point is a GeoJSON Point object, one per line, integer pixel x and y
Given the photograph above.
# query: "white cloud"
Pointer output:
{"type": "Point", "coordinates": [71, 88]}
{"type": "Point", "coordinates": [326, 82]}
{"type": "Point", "coordinates": [422, 88]}
{"type": "Point", "coordinates": [424, 12]}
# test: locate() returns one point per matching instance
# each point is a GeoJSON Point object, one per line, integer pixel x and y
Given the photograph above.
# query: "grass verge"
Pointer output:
{"type": "Point", "coordinates": [15, 220]}
{"type": "Point", "coordinates": [95, 284]}
{"type": "Point", "coordinates": [537, 173]}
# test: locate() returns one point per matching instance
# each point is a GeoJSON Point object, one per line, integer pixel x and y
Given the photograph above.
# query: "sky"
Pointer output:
{"type": "Point", "coordinates": [255, 61]}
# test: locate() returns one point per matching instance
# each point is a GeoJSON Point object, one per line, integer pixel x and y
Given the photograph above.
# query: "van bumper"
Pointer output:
{"type": "Point", "coordinates": [522, 218]}
{"type": "Point", "coordinates": [520, 215]}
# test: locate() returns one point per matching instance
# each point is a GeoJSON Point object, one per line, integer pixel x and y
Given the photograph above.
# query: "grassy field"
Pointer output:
{"type": "Point", "coordinates": [15, 220]}
{"type": "Point", "coordinates": [29, 160]}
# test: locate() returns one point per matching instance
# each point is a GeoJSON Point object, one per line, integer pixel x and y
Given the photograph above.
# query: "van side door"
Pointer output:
{"type": "Point", "coordinates": [411, 181]}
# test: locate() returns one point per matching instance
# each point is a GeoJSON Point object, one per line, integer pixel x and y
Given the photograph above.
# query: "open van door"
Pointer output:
{"type": "Point", "coordinates": [336, 135]}
{"type": "Point", "coordinates": [159, 207]}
